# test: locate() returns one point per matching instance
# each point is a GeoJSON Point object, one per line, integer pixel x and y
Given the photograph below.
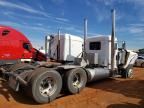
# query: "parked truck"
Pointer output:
{"type": "Point", "coordinates": [98, 58]}
{"type": "Point", "coordinates": [15, 47]}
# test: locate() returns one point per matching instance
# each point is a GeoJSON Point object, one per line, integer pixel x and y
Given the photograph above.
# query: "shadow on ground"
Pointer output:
{"type": "Point", "coordinates": [20, 96]}
{"type": "Point", "coordinates": [127, 105]}
{"type": "Point", "coordinates": [127, 87]}
{"type": "Point", "coordinates": [7, 92]}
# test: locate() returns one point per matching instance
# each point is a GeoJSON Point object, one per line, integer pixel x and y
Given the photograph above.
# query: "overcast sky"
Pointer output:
{"type": "Point", "coordinates": [38, 18]}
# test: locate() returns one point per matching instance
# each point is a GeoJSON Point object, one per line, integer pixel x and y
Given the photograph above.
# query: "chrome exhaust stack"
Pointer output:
{"type": "Point", "coordinates": [58, 46]}
{"type": "Point", "coordinates": [85, 33]}
{"type": "Point", "coordinates": [46, 44]}
{"type": "Point", "coordinates": [83, 60]}
{"type": "Point", "coordinates": [113, 42]}
{"type": "Point", "coordinates": [84, 39]}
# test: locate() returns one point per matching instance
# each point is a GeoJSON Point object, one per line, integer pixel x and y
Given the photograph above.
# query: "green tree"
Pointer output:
{"type": "Point", "coordinates": [141, 51]}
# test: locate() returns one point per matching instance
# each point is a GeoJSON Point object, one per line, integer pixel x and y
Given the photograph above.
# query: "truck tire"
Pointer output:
{"type": "Point", "coordinates": [127, 73]}
{"type": "Point", "coordinates": [75, 80]}
{"type": "Point", "coordinates": [45, 85]}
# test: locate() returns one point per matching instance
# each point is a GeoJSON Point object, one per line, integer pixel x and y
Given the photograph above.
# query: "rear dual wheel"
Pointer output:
{"type": "Point", "coordinates": [75, 80]}
{"type": "Point", "coordinates": [46, 86]}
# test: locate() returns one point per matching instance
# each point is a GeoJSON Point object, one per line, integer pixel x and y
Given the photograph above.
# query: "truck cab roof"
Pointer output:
{"type": "Point", "coordinates": [10, 33]}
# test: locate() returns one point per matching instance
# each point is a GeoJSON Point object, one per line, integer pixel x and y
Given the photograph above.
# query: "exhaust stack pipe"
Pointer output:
{"type": "Point", "coordinates": [46, 44]}
{"type": "Point", "coordinates": [58, 46]}
{"type": "Point", "coordinates": [113, 41]}
{"type": "Point", "coordinates": [85, 36]}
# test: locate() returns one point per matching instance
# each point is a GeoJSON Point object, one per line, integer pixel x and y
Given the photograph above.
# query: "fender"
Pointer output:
{"type": "Point", "coordinates": [130, 59]}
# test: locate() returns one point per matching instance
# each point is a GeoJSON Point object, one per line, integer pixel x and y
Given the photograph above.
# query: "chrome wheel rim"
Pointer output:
{"type": "Point", "coordinates": [47, 86]}
{"type": "Point", "coordinates": [76, 80]}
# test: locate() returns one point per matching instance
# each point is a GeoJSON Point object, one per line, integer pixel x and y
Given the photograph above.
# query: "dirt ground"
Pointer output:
{"type": "Point", "coordinates": [108, 93]}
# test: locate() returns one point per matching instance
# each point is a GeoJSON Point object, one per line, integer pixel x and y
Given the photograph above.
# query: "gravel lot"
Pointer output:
{"type": "Point", "coordinates": [108, 93]}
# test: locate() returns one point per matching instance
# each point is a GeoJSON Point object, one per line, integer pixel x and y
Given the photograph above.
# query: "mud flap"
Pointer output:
{"type": "Point", "coordinates": [14, 83]}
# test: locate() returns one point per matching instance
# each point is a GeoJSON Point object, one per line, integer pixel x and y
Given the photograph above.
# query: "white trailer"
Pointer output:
{"type": "Point", "coordinates": [100, 59]}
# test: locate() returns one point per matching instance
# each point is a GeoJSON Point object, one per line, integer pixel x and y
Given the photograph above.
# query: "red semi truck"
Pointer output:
{"type": "Point", "coordinates": [14, 47]}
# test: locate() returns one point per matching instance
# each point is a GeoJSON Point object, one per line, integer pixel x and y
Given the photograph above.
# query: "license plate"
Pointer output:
{"type": "Point", "coordinates": [13, 83]}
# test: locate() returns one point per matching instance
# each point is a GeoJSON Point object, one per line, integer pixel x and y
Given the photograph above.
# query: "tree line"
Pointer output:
{"type": "Point", "coordinates": [141, 51]}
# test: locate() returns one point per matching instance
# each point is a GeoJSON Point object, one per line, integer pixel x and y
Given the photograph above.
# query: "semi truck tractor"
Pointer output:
{"type": "Point", "coordinates": [15, 47]}
{"type": "Point", "coordinates": [90, 59]}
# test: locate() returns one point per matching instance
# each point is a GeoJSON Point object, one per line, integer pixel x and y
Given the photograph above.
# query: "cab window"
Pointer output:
{"type": "Point", "coordinates": [27, 46]}
{"type": "Point", "coordinates": [95, 45]}
{"type": "Point", "coordinates": [5, 32]}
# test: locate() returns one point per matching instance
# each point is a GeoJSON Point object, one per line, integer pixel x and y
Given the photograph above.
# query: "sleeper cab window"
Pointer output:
{"type": "Point", "coordinates": [95, 45]}
{"type": "Point", "coordinates": [27, 46]}
{"type": "Point", "coordinates": [5, 32]}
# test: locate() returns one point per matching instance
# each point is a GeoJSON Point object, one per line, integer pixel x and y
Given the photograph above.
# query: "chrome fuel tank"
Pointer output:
{"type": "Point", "coordinates": [97, 73]}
